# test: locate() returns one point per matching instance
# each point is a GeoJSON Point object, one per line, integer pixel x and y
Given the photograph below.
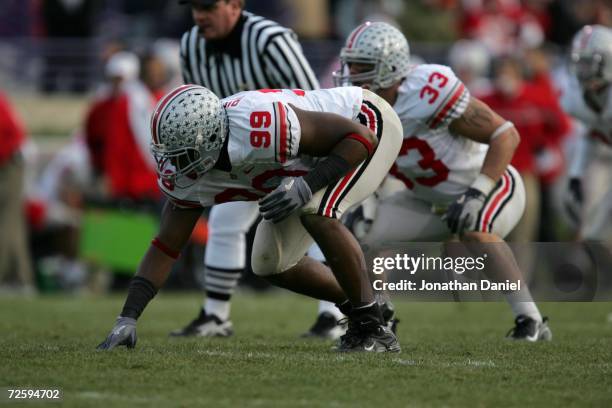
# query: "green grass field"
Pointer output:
{"type": "Point", "coordinates": [453, 355]}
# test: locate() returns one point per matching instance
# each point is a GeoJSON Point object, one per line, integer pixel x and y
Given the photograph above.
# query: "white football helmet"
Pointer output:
{"type": "Point", "coordinates": [188, 128]}
{"type": "Point", "coordinates": [591, 56]}
{"type": "Point", "coordinates": [380, 45]}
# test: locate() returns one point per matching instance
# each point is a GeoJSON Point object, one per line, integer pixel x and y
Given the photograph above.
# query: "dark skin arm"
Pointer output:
{"type": "Point", "coordinates": [478, 123]}
{"type": "Point", "coordinates": [324, 133]}
{"type": "Point", "coordinates": [175, 229]}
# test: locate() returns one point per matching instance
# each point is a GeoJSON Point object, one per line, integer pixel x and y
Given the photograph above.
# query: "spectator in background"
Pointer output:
{"type": "Point", "coordinates": [121, 68]}
{"type": "Point", "coordinates": [76, 170]}
{"type": "Point", "coordinates": [504, 26]}
{"type": "Point", "coordinates": [15, 264]}
{"type": "Point", "coordinates": [540, 122]}
{"type": "Point", "coordinates": [550, 162]}
{"type": "Point", "coordinates": [55, 202]}
{"type": "Point", "coordinates": [471, 61]}
{"type": "Point", "coordinates": [128, 165]}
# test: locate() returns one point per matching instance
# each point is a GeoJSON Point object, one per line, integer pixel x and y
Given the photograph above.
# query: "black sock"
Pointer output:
{"type": "Point", "coordinates": [370, 313]}
{"type": "Point", "coordinates": [140, 292]}
{"type": "Point", "coordinates": [345, 307]}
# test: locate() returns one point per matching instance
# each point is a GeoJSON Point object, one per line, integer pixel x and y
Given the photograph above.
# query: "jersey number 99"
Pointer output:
{"type": "Point", "coordinates": [258, 120]}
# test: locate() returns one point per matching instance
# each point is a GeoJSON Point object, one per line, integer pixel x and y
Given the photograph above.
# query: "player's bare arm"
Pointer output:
{"type": "Point", "coordinates": [175, 229]}
{"type": "Point", "coordinates": [481, 124]}
{"type": "Point", "coordinates": [326, 133]}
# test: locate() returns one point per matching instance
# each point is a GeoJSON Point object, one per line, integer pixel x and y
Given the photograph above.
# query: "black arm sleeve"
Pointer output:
{"type": "Point", "coordinates": [327, 172]}
{"type": "Point", "coordinates": [140, 292]}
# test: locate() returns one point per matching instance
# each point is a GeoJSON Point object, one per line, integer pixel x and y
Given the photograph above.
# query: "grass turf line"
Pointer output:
{"type": "Point", "coordinates": [453, 355]}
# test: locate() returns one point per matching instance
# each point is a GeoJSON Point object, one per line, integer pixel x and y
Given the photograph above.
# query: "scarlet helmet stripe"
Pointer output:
{"type": "Point", "coordinates": [356, 33]}
{"type": "Point", "coordinates": [162, 105]}
{"type": "Point", "coordinates": [586, 36]}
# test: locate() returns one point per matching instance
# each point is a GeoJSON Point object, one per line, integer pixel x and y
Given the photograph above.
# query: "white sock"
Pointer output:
{"type": "Point", "coordinates": [219, 308]}
{"type": "Point", "coordinates": [329, 307]}
{"type": "Point", "coordinates": [522, 303]}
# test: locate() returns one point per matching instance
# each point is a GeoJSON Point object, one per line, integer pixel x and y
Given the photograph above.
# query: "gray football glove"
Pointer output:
{"type": "Point", "coordinates": [122, 334]}
{"type": "Point", "coordinates": [291, 194]}
{"type": "Point", "coordinates": [461, 216]}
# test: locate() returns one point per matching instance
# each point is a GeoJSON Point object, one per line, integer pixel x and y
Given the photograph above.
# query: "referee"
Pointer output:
{"type": "Point", "coordinates": [229, 50]}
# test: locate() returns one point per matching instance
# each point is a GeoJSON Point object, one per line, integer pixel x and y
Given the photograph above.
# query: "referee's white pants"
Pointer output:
{"type": "Point", "coordinates": [228, 224]}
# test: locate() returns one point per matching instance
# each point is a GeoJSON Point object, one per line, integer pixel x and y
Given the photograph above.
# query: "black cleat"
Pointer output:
{"type": "Point", "coordinates": [367, 332]}
{"type": "Point", "coordinates": [528, 329]}
{"type": "Point", "coordinates": [378, 339]}
{"type": "Point", "coordinates": [327, 327]}
{"type": "Point", "coordinates": [205, 325]}
{"type": "Point", "coordinates": [388, 314]}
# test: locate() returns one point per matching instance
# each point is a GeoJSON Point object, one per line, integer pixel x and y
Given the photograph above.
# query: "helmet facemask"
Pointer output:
{"type": "Point", "coordinates": [182, 166]}
{"type": "Point", "coordinates": [366, 79]}
{"type": "Point", "coordinates": [189, 129]}
{"type": "Point", "coordinates": [589, 70]}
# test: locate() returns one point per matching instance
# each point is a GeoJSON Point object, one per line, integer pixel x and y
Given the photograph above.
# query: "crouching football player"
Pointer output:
{"type": "Point", "coordinates": [454, 162]}
{"type": "Point", "coordinates": [306, 156]}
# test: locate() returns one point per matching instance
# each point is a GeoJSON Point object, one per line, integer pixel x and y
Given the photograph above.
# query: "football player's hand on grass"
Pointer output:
{"type": "Point", "coordinates": [291, 194]}
{"type": "Point", "coordinates": [122, 334]}
{"type": "Point", "coordinates": [463, 213]}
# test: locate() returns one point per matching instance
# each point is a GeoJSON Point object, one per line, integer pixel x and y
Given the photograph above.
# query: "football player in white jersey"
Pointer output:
{"type": "Point", "coordinates": [306, 156]}
{"type": "Point", "coordinates": [454, 161]}
{"type": "Point", "coordinates": [587, 98]}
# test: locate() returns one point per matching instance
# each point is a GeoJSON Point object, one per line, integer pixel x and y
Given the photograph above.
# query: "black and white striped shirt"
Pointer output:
{"type": "Point", "coordinates": [257, 54]}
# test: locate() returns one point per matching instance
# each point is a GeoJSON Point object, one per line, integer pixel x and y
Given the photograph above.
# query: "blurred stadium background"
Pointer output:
{"type": "Point", "coordinates": [90, 212]}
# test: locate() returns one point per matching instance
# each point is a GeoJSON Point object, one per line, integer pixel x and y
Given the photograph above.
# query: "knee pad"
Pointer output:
{"type": "Point", "coordinates": [265, 261]}
{"type": "Point", "coordinates": [266, 254]}
{"type": "Point", "coordinates": [278, 248]}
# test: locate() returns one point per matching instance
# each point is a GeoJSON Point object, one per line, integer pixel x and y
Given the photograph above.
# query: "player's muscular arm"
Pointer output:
{"type": "Point", "coordinates": [483, 125]}
{"type": "Point", "coordinates": [175, 229]}
{"type": "Point", "coordinates": [326, 133]}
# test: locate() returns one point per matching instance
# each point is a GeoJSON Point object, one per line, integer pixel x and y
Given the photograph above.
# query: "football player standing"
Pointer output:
{"type": "Point", "coordinates": [587, 98]}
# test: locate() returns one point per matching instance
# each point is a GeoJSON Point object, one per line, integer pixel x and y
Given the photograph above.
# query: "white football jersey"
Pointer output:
{"type": "Point", "coordinates": [263, 141]}
{"type": "Point", "coordinates": [434, 163]}
{"type": "Point", "coordinates": [599, 124]}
